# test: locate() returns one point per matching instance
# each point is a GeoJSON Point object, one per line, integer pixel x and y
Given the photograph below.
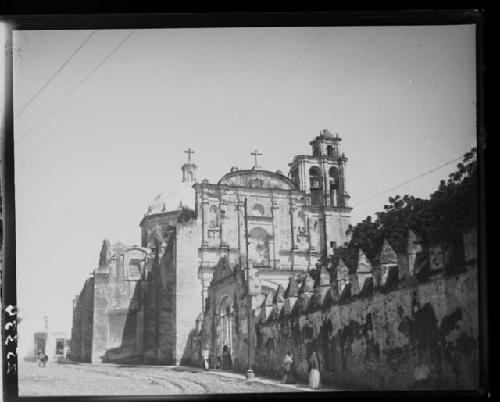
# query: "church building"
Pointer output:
{"type": "Point", "coordinates": [196, 240]}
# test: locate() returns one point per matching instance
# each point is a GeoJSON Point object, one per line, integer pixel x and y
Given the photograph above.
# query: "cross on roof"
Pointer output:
{"type": "Point", "coordinates": [255, 154]}
{"type": "Point", "coordinates": [189, 152]}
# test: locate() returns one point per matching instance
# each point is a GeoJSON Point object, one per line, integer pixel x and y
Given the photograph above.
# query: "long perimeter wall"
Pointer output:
{"type": "Point", "coordinates": [416, 333]}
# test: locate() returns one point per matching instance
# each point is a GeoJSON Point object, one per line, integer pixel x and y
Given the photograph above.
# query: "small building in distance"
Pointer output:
{"type": "Point", "coordinates": [53, 344]}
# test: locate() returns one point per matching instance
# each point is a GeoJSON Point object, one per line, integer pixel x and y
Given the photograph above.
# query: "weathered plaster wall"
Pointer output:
{"type": "Point", "coordinates": [166, 323]}
{"type": "Point", "coordinates": [417, 335]}
{"type": "Point", "coordinates": [114, 312]}
{"type": "Point", "coordinates": [83, 317]}
{"type": "Point", "coordinates": [188, 295]}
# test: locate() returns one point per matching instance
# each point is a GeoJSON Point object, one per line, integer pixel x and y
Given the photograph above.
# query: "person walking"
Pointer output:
{"type": "Point", "coordinates": [205, 354]}
{"type": "Point", "coordinates": [226, 358]}
{"type": "Point", "coordinates": [287, 365]}
{"type": "Point", "coordinates": [40, 358]}
{"type": "Point", "coordinates": [314, 378]}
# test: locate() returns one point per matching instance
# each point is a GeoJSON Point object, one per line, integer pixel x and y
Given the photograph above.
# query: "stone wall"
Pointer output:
{"type": "Point", "coordinates": [188, 294]}
{"type": "Point", "coordinates": [162, 312]}
{"type": "Point", "coordinates": [114, 312]}
{"type": "Point", "coordinates": [83, 317]}
{"type": "Point", "coordinates": [392, 326]}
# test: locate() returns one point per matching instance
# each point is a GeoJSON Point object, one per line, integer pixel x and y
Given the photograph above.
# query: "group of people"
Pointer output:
{"type": "Point", "coordinates": [288, 369]}
{"type": "Point", "coordinates": [223, 362]}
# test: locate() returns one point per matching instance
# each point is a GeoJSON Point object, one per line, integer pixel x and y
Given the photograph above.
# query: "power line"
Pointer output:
{"type": "Point", "coordinates": [108, 56]}
{"type": "Point", "coordinates": [409, 181]}
{"type": "Point", "coordinates": [306, 50]}
{"type": "Point", "coordinates": [55, 74]}
{"type": "Point", "coordinates": [255, 46]}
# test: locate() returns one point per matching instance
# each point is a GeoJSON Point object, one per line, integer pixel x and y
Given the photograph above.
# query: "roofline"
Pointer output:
{"type": "Point", "coordinates": [262, 171]}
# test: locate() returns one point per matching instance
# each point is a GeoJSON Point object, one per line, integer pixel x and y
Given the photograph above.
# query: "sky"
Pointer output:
{"type": "Point", "coordinates": [102, 120]}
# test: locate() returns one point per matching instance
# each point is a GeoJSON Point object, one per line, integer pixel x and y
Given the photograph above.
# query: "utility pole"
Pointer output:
{"type": "Point", "coordinates": [250, 374]}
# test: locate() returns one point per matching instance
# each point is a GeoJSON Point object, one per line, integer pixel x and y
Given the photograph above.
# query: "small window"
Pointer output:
{"type": "Point", "coordinates": [134, 270]}
{"type": "Point", "coordinates": [59, 347]}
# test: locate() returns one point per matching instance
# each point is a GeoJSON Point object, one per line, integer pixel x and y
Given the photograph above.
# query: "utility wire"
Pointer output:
{"type": "Point", "coordinates": [408, 181]}
{"type": "Point", "coordinates": [306, 50]}
{"type": "Point", "coordinates": [108, 56]}
{"type": "Point", "coordinates": [55, 74]}
{"type": "Point", "coordinates": [255, 46]}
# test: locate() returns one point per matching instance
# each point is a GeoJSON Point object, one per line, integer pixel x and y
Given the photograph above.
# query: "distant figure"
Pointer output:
{"type": "Point", "coordinates": [42, 359]}
{"type": "Point", "coordinates": [218, 363]}
{"type": "Point", "coordinates": [314, 379]}
{"type": "Point", "coordinates": [287, 365]}
{"type": "Point", "coordinates": [226, 358]}
{"type": "Point", "coordinates": [291, 377]}
{"type": "Point", "coordinates": [205, 354]}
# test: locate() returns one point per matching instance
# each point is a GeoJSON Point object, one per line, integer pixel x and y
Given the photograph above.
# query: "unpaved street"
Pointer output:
{"type": "Point", "coordinates": [110, 379]}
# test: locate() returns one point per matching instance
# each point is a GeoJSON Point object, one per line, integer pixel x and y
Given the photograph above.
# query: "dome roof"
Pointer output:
{"type": "Point", "coordinates": [179, 196]}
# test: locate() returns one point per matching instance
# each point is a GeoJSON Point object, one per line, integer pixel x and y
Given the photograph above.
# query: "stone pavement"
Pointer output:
{"type": "Point", "coordinates": [258, 379]}
{"type": "Point", "coordinates": [129, 379]}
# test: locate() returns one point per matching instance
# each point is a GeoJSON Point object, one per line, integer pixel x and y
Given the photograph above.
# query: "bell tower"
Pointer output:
{"type": "Point", "coordinates": [322, 175]}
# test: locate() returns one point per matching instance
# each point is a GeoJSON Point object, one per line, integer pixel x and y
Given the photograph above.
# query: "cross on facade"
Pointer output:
{"type": "Point", "coordinates": [189, 152]}
{"type": "Point", "coordinates": [255, 154]}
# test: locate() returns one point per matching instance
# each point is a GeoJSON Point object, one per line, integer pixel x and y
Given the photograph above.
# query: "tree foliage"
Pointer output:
{"type": "Point", "coordinates": [442, 217]}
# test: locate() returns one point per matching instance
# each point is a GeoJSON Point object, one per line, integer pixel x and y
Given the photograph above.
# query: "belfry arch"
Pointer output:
{"type": "Point", "coordinates": [333, 184]}
{"type": "Point", "coordinates": [315, 185]}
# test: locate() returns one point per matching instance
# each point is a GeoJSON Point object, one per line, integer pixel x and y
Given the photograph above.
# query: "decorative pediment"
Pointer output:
{"type": "Point", "coordinates": [257, 179]}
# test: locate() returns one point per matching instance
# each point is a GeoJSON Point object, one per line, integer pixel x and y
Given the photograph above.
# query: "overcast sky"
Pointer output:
{"type": "Point", "coordinates": [91, 155]}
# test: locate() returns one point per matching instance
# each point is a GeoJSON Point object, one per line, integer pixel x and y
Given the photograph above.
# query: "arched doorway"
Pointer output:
{"type": "Point", "coordinates": [226, 319]}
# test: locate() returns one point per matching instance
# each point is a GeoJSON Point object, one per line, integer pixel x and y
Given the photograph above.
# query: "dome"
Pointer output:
{"type": "Point", "coordinates": [158, 205]}
{"type": "Point", "coordinates": [179, 196]}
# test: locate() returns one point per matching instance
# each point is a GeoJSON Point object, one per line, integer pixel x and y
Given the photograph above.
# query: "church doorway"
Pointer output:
{"type": "Point", "coordinates": [226, 320]}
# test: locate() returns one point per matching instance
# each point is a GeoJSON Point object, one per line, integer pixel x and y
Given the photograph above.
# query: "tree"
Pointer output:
{"type": "Point", "coordinates": [443, 217]}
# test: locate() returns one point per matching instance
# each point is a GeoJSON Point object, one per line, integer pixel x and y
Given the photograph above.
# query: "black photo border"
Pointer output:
{"type": "Point", "coordinates": [102, 18]}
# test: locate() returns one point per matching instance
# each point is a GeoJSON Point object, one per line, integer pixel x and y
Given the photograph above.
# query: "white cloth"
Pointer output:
{"type": "Point", "coordinates": [314, 381]}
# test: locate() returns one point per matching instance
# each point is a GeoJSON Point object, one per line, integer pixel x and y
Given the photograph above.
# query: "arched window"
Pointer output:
{"type": "Point", "coordinates": [315, 178]}
{"type": "Point", "coordinates": [315, 185]}
{"type": "Point", "coordinates": [333, 174]}
{"type": "Point", "coordinates": [330, 151]}
{"type": "Point", "coordinates": [226, 322]}
{"type": "Point", "coordinates": [258, 247]}
{"type": "Point", "coordinates": [258, 210]}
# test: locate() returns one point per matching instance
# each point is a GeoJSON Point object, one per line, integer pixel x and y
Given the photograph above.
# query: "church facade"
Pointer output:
{"type": "Point", "coordinates": [197, 244]}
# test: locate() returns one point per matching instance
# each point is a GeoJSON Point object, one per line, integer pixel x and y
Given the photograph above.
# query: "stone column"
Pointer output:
{"type": "Point", "coordinates": [204, 221]}
{"type": "Point", "coordinates": [223, 222]}
{"type": "Point", "coordinates": [305, 173]}
{"type": "Point", "coordinates": [240, 206]}
{"type": "Point", "coordinates": [293, 212]}
{"type": "Point", "coordinates": [276, 235]}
